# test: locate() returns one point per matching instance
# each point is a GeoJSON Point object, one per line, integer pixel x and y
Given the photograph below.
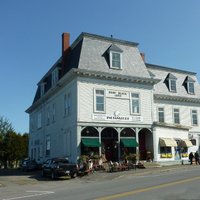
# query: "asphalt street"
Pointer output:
{"type": "Point", "coordinates": [170, 182]}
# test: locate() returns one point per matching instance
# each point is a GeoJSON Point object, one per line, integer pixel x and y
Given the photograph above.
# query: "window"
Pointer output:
{"type": "Point", "coordinates": [135, 103]}
{"type": "Point", "coordinates": [190, 86]}
{"type": "Point", "coordinates": [172, 85]}
{"type": "Point", "coordinates": [165, 150]}
{"type": "Point", "coordinates": [42, 89]}
{"type": "Point", "coordinates": [170, 81]}
{"type": "Point", "coordinates": [67, 104]}
{"type": "Point", "coordinates": [176, 116]}
{"type": "Point", "coordinates": [100, 100]}
{"type": "Point", "coordinates": [115, 57]}
{"type": "Point", "coordinates": [31, 123]}
{"type": "Point", "coordinates": [53, 113]}
{"type": "Point", "coordinates": [116, 60]}
{"type": "Point", "coordinates": [48, 115]}
{"type": "Point", "coordinates": [39, 120]}
{"type": "Point", "coordinates": [161, 115]}
{"type": "Point", "coordinates": [48, 145]}
{"type": "Point", "coordinates": [54, 77]}
{"type": "Point", "coordinates": [194, 118]}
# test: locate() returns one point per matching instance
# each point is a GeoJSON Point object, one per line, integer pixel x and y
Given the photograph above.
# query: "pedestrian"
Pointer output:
{"type": "Point", "coordinates": [196, 157]}
{"type": "Point", "coordinates": [191, 156]}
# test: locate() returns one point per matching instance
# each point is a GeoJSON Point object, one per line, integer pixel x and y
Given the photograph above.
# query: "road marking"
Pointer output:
{"type": "Point", "coordinates": [38, 193]}
{"type": "Point", "coordinates": [125, 194]}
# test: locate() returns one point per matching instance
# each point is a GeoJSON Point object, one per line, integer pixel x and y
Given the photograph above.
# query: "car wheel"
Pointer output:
{"type": "Point", "coordinates": [53, 175]}
{"type": "Point", "coordinates": [74, 175]}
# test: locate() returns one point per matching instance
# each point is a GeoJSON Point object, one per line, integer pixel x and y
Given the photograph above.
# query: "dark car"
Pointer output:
{"type": "Point", "coordinates": [58, 167]}
{"type": "Point", "coordinates": [29, 165]}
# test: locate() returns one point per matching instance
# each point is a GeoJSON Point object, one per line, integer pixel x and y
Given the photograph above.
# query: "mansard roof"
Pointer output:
{"type": "Point", "coordinates": [161, 90]}
{"type": "Point", "coordinates": [94, 56]}
{"type": "Point", "coordinates": [91, 52]}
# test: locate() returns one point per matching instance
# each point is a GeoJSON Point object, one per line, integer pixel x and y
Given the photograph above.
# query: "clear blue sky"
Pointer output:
{"type": "Point", "coordinates": [30, 39]}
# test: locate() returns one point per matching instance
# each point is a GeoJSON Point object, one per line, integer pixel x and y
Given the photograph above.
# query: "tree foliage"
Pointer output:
{"type": "Point", "coordinates": [5, 126]}
{"type": "Point", "coordinates": [13, 146]}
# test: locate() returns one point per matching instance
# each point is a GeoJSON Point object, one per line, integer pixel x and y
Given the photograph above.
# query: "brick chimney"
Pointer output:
{"type": "Point", "coordinates": [65, 42]}
{"type": "Point", "coordinates": [143, 56]}
{"type": "Point", "coordinates": [65, 51]}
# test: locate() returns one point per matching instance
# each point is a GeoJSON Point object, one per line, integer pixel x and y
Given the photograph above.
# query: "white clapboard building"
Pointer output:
{"type": "Point", "coordinates": [101, 97]}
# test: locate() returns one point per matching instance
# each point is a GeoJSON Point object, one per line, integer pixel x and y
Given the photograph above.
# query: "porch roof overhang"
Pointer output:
{"type": "Point", "coordinates": [167, 142]}
{"type": "Point", "coordinates": [129, 142]}
{"type": "Point", "coordinates": [91, 142]}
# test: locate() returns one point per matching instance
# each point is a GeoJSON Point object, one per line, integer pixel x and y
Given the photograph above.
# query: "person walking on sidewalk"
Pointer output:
{"type": "Point", "coordinates": [191, 156]}
{"type": "Point", "coordinates": [196, 157]}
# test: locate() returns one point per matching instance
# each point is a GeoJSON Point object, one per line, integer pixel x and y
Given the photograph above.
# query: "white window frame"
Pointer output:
{"type": "Point", "coordinates": [178, 115]}
{"type": "Point", "coordinates": [95, 100]}
{"type": "Point", "coordinates": [189, 88]}
{"type": "Point", "coordinates": [111, 59]}
{"type": "Point", "coordinates": [131, 103]}
{"type": "Point", "coordinates": [170, 85]}
{"type": "Point", "coordinates": [192, 117]}
{"type": "Point", "coordinates": [163, 114]}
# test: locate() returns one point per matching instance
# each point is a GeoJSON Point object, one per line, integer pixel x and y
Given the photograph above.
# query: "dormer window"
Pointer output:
{"type": "Point", "coordinates": [190, 88]}
{"type": "Point", "coordinates": [42, 89]}
{"type": "Point", "coordinates": [189, 85]}
{"type": "Point", "coordinates": [171, 82]}
{"type": "Point", "coordinates": [115, 57]}
{"type": "Point", "coordinates": [54, 76]}
{"type": "Point", "coordinates": [172, 85]}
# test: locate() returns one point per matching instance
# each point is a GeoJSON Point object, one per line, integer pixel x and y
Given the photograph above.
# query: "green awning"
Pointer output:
{"type": "Point", "coordinates": [129, 142]}
{"type": "Point", "coordinates": [91, 142]}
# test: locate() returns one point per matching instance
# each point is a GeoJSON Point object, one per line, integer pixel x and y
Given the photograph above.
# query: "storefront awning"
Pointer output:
{"type": "Point", "coordinates": [167, 142]}
{"type": "Point", "coordinates": [129, 142]}
{"type": "Point", "coordinates": [91, 142]}
{"type": "Point", "coordinates": [185, 143]}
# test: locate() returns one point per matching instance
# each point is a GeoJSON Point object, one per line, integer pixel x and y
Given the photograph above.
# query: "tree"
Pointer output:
{"type": "Point", "coordinates": [13, 146]}
{"type": "Point", "coordinates": [5, 126]}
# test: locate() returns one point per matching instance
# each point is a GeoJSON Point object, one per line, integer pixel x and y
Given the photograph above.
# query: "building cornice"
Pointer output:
{"type": "Point", "coordinates": [167, 125]}
{"type": "Point", "coordinates": [176, 98]}
{"type": "Point", "coordinates": [74, 72]}
{"type": "Point", "coordinates": [115, 77]}
{"type": "Point", "coordinates": [163, 68]}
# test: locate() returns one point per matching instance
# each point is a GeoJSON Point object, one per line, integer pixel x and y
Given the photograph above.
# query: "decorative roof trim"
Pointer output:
{"type": "Point", "coordinates": [167, 125]}
{"type": "Point", "coordinates": [176, 98]}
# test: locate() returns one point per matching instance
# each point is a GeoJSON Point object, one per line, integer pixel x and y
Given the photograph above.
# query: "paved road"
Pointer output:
{"type": "Point", "coordinates": [178, 182]}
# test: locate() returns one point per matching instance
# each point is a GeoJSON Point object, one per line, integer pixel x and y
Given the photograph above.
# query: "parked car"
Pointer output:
{"type": "Point", "coordinates": [29, 165]}
{"type": "Point", "coordinates": [58, 167]}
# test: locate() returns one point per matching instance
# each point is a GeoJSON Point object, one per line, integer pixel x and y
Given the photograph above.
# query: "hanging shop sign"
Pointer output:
{"type": "Point", "coordinates": [117, 94]}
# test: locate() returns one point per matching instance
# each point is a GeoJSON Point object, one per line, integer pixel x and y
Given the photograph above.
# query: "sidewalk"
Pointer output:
{"type": "Point", "coordinates": [149, 169]}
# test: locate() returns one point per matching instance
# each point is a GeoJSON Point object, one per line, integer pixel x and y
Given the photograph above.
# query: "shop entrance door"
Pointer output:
{"type": "Point", "coordinates": [109, 141]}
